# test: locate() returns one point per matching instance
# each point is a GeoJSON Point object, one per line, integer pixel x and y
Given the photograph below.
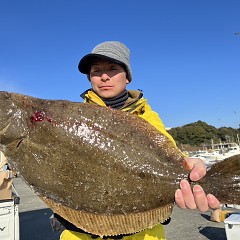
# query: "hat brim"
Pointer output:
{"type": "Point", "coordinates": [85, 63]}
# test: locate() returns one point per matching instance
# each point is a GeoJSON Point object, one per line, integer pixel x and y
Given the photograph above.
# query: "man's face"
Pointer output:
{"type": "Point", "coordinates": [108, 79]}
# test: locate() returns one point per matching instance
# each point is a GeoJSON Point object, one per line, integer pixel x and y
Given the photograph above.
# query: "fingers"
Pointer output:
{"type": "Point", "coordinates": [213, 202]}
{"type": "Point", "coordinates": [179, 199]}
{"type": "Point", "coordinates": [198, 172]}
{"type": "Point", "coordinates": [185, 199]}
{"type": "Point", "coordinates": [198, 168]}
{"type": "Point", "coordinates": [200, 198]}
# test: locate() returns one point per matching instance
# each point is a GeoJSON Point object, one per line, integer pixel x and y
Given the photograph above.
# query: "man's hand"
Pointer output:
{"type": "Point", "coordinates": [186, 197]}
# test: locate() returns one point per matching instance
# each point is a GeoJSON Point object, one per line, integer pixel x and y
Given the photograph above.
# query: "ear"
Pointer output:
{"type": "Point", "coordinates": [127, 81]}
{"type": "Point", "coordinates": [88, 76]}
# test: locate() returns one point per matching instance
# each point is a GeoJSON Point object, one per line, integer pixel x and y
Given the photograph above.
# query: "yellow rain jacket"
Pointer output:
{"type": "Point", "coordinates": [135, 104]}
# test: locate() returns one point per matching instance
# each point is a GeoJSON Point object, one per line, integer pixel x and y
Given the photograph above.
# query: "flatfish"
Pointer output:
{"type": "Point", "coordinates": [106, 171]}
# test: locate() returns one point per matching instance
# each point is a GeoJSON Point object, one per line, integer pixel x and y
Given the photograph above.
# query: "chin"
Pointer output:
{"type": "Point", "coordinates": [107, 95]}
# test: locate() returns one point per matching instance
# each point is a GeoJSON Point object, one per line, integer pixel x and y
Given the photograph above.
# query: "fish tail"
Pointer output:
{"type": "Point", "coordinates": [223, 180]}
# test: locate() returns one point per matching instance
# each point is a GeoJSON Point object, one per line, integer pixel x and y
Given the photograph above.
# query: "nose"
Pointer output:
{"type": "Point", "coordinates": [105, 76]}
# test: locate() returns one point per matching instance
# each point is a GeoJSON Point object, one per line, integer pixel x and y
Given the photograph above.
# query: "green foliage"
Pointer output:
{"type": "Point", "coordinates": [198, 133]}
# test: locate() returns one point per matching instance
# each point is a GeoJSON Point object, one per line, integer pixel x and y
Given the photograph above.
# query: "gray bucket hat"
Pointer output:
{"type": "Point", "coordinates": [113, 51]}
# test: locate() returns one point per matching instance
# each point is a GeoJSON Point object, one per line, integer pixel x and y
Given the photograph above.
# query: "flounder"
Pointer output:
{"type": "Point", "coordinates": [106, 171]}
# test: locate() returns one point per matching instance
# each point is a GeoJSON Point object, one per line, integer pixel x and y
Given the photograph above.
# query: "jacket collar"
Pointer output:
{"type": "Point", "coordinates": [133, 103]}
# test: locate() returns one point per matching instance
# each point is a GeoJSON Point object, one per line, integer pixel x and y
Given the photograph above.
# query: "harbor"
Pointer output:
{"type": "Point", "coordinates": [184, 225]}
{"type": "Point", "coordinates": [214, 153]}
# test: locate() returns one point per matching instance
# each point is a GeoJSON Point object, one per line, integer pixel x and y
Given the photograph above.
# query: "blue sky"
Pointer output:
{"type": "Point", "coordinates": [185, 55]}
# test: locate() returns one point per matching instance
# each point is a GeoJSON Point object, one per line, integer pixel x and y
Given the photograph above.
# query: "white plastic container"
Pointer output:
{"type": "Point", "coordinates": [9, 201]}
{"type": "Point", "coordinates": [9, 218]}
{"type": "Point", "coordinates": [232, 226]}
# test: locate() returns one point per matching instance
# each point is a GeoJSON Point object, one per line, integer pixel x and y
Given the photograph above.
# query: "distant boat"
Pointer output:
{"type": "Point", "coordinates": [217, 152]}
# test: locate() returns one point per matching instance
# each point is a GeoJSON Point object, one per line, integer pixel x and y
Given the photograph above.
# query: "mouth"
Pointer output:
{"type": "Point", "coordinates": [106, 87]}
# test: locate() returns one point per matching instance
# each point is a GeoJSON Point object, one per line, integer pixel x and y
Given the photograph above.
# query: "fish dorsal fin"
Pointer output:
{"type": "Point", "coordinates": [111, 225]}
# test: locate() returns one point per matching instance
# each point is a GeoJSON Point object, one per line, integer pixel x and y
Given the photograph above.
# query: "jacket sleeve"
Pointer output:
{"type": "Point", "coordinates": [152, 117]}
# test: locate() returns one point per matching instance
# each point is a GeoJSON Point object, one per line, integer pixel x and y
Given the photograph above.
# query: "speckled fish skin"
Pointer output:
{"type": "Point", "coordinates": [94, 159]}
{"type": "Point", "coordinates": [88, 157]}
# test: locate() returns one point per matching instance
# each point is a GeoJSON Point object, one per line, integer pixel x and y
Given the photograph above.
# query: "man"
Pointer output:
{"type": "Point", "coordinates": [108, 69]}
{"type": "Point", "coordinates": [6, 176]}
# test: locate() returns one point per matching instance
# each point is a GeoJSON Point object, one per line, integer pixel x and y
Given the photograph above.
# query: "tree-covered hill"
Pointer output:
{"type": "Point", "coordinates": [199, 133]}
